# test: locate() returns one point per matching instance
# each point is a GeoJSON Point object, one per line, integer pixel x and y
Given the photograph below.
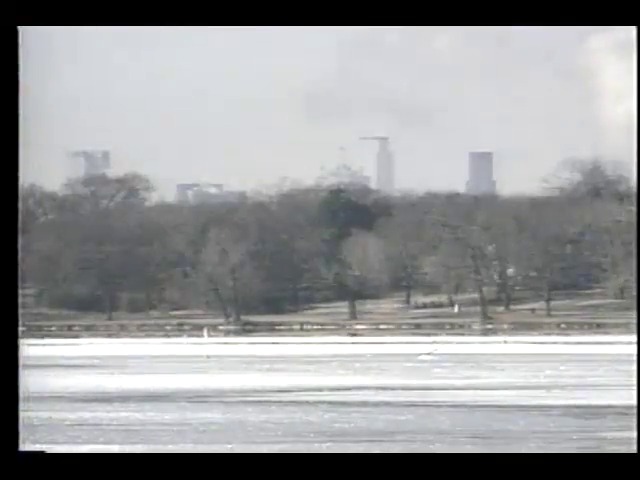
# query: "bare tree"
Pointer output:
{"type": "Point", "coordinates": [501, 236]}
{"type": "Point", "coordinates": [612, 241]}
{"type": "Point", "coordinates": [36, 206]}
{"type": "Point", "coordinates": [546, 245]}
{"type": "Point", "coordinates": [407, 243]}
{"type": "Point", "coordinates": [102, 191]}
{"type": "Point", "coordinates": [592, 178]}
{"type": "Point", "coordinates": [449, 267]}
{"type": "Point", "coordinates": [465, 240]}
{"type": "Point", "coordinates": [363, 267]}
{"type": "Point", "coordinates": [224, 263]}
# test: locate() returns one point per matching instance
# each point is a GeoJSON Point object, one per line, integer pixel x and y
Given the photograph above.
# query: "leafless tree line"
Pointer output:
{"type": "Point", "coordinates": [99, 244]}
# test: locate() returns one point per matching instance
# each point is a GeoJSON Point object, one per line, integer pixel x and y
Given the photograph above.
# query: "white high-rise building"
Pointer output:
{"type": "Point", "coordinates": [385, 180]}
{"type": "Point", "coordinates": [385, 165]}
{"type": "Point", "coordinates": [481, 180]}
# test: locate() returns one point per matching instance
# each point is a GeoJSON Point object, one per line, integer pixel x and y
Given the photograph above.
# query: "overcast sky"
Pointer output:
{"type": "Point", "coordinates": [247, 106]}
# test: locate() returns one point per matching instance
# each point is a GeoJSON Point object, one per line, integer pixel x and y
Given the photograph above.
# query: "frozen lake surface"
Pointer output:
{"type": "Point", "coordinates": [438, 394]}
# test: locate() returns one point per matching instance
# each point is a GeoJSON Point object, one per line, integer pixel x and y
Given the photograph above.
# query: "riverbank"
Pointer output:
{"type": "Point", "coordinates": [202, 328]}
{"type": "Point", "coordinates": [580, 314]}
{"type": "Point", "coordinates": [329, 346]}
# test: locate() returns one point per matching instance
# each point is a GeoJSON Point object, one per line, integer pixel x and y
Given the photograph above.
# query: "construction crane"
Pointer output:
{"type": "Point", "coordinates": [384, 164]}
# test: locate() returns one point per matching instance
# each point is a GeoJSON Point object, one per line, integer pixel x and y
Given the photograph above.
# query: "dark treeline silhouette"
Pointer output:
{"type": "Point", "coordinates": [101, 245]}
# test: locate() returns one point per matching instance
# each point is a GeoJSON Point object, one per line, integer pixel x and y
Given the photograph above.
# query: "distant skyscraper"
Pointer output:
{"type": "Point", "coordinates": [385, 178]}
{"type": "Point", "coordinates": [481, 180]}
{"type": "Point", "coordinates": [385, 168]}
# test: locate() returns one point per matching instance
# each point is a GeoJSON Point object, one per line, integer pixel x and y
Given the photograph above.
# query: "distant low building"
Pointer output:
{"type": "Point", "coordinates": [95, 162]}
{"type": "Point", "coordinates": [199, 193]}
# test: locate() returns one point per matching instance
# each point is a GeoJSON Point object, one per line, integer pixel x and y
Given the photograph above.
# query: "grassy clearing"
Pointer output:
{"type": "Point", "coordinates": [581, 312]}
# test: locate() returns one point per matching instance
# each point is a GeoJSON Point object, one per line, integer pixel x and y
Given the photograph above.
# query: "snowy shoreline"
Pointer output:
{"type": "Point", "coordinates": [283, 346]}
{"type": "Point", "coordinates": [544, 339]}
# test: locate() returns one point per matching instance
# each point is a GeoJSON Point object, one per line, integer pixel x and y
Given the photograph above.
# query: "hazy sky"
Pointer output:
{"type": "Point", "coordinates": [247, 106]}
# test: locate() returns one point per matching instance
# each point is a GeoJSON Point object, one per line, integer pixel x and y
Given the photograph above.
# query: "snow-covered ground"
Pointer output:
{"type": "Point", "coordinates": [282, 346]}
{"type": "Point", "coordinates": [341, 339]}
{"type": "Point", "coordinates": [484, 394]}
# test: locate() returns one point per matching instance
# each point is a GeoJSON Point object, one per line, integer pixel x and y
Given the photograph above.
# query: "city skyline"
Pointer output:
{"type": "Point", "coordinates": [179, 104]}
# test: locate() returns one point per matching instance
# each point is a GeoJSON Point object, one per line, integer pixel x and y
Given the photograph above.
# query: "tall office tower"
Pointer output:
{"type": "Point", "coordinates": [481, 180]}
{"type": "Point", "coordinates": [385, 167]}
